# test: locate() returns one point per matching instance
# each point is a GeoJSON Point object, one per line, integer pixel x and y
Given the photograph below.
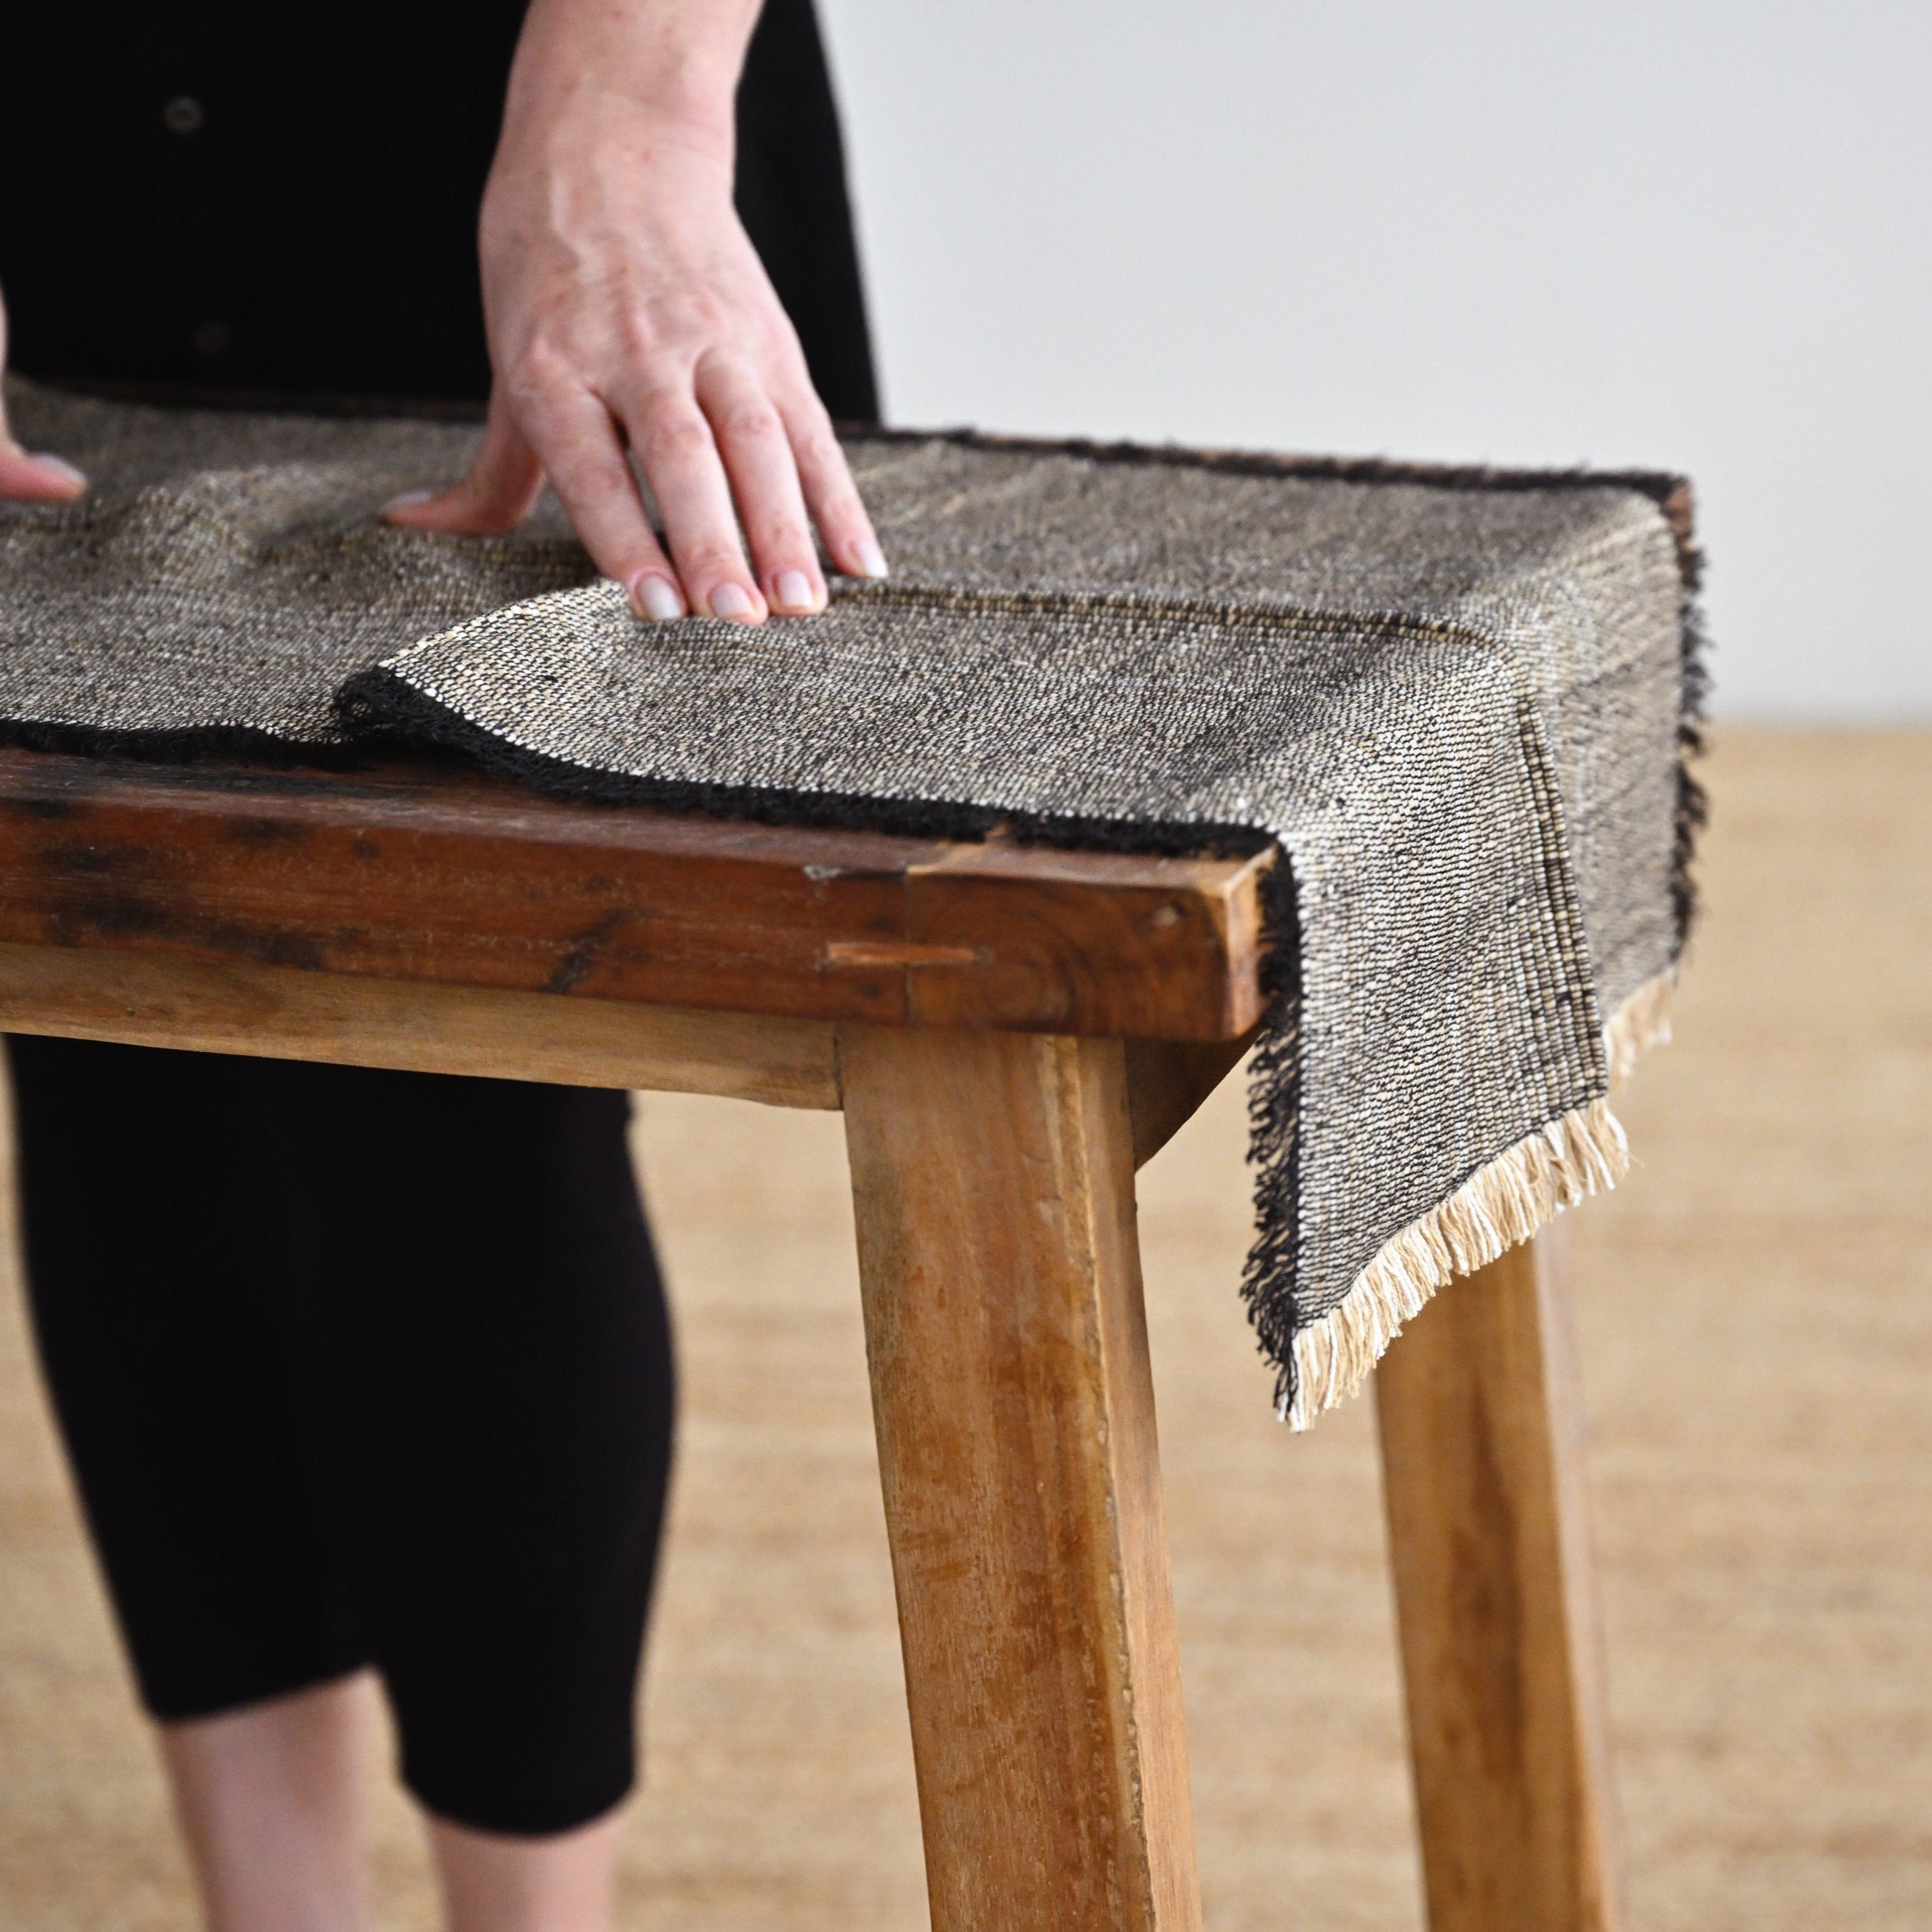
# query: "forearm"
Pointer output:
{"type": "Point", "coordinates": [667, 68]}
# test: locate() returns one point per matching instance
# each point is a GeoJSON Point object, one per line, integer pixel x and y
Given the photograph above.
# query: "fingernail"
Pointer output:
{"type": "Point", "coordinates": [656, 597]}
{"type": "Point", "coordinates": [66, 469]}
{"type": "Point", "coordinates": [872, 558]}
{"type": "Point", "coordinates": [729, 600]}
{"type": "Point", "coordinates": [795, 592]}
{"type": "Point", "coordinates": [407, 500]}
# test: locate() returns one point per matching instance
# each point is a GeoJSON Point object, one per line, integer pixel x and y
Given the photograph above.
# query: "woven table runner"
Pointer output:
{"type": "Point", "coordinates": [1460, 703]}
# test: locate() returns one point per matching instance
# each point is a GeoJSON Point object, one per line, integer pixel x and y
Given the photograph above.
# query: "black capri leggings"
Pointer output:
{"type": "Point", "coordinates": [358, 1367]}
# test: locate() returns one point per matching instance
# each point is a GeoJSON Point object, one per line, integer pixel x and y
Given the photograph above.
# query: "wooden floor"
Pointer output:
{"type": "Point", "coordinates": [1756, 1306]}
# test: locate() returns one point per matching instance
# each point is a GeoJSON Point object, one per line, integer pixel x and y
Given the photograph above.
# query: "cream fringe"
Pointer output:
{"type": "Point", "coordinates": [1581, 1154]}
{"type": "Point", "coordinates": [1643, 1021]}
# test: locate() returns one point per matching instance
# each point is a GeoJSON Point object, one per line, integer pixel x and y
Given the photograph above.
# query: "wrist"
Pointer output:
{"type": "Point", "coordinates": [660, 74]}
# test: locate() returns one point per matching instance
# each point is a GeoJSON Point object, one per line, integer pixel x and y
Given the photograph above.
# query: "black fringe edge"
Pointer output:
{"type": "Point", "coordinates": [1693, 801]}
{"type": "Point", "coordinates": [1269, 1274]}
{"type": "Point", "coordinates": [1670, 491]}
{"type": "Point", "coordinates": [377, 700]}
{"type": "Point", "coordinates": [195, 745]}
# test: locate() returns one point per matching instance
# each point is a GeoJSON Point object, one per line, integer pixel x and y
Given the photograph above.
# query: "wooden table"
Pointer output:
{"type": "Point", "coordinates": [1009, 1031]}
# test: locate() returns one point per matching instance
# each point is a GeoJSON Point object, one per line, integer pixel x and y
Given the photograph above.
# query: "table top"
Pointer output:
{"type": "Point", "coordinates": [419, 868]}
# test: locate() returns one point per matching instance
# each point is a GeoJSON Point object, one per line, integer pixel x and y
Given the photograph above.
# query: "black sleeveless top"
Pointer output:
{"type": "Point", "coordinates": [207, 195]}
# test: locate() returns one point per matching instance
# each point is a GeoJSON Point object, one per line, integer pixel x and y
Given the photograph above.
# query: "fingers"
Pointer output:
{"type": "Point", "coordinates": [830, 492]}
{"type": "Point", "coordinates": [674, 445]}
{"type": "Point", "coordinates": [27, 478]}
{"type": "Point", "coordinates": [716, 450]}
{"type": "Point", "coordinates": [758, 463]}
{"type": "Point", "coordinates": [572, 439]}
{"type": "Point", "coordinates": [574, 433]}
{"type": "Point", "coordinates": [37, 479]}
{"type": "Point", "coordinates": [732, 454]}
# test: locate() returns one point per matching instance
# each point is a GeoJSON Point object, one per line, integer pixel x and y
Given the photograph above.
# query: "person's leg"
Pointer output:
{"type": "Point", "coordinates": [269, 1800]}
{"type": "Point", "coordinates": [490, 1400]}
{"type": "Point", "coordinates": [156, 1251]}
{"type": "Point", "coordinates": [491, 1882]}
{"type": "Point", "coordinates": [489, 1392]}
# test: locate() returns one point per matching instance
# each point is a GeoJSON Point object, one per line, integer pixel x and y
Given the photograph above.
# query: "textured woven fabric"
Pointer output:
{"type": "Point", "coordinates": [1455, 704]}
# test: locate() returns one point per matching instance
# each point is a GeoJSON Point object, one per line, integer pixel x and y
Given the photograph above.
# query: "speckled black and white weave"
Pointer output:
{"type": "Point", "coordinates": [1457, 701]}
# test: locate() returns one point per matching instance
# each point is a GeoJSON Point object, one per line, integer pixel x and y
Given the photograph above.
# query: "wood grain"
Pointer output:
{"type": "Point", "coordinates": [280, 1013]}
{"type": "Point", "coordinates": [420, 868]}
{"type": "Point", "coordinates": [1073, 936]}
{"type": "Point", "coordinates": [992, 1177]}
{"type": "Point", "coordinates": [1496, 1599]}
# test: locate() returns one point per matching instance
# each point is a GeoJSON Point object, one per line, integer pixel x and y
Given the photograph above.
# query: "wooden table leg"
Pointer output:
{"type": "Point", "coordinates": [1496, 1597]}
{"type": "Point", "coordinates": [993, 1176]}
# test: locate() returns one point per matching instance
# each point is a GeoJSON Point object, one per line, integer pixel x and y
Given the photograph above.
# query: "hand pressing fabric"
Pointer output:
{"type": "Point", "coordinates": [25, 478]}
{"type": "Point", "coordinates": [629, 318]}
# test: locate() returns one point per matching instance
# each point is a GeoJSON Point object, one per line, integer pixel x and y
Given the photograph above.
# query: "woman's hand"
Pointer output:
{"type": "Point", "coordinates": [630, 318]}
{"type": "Point", "coordinates": [25, 479]}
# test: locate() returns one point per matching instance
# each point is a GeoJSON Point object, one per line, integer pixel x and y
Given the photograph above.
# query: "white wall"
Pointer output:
{"type": "Point", "coordinates": [1690, 236]}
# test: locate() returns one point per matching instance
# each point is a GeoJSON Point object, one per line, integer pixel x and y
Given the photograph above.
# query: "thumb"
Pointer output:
{"type": "Point", "coordinates": [496, 496]}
